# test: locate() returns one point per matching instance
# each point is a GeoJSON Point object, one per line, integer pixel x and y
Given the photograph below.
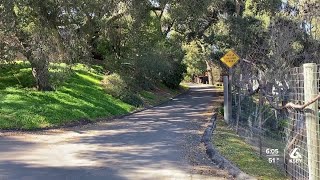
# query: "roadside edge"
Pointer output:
{"type": "Point", "coordinates": [216, 157]}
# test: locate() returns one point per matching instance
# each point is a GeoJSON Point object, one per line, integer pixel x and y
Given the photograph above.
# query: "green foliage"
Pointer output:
{"type": "Point", "coordinates": [59, 73]}
{"type": "Point", "coordinates": [194, 59]}
{"type": "Point", "coordinates": [144, 59]}
{"type": "Point", "coordinates": [143, 43]}
{"type": "Point", "coordinates": [148, 95]}
{"type": "Point", "coordinates": [242, 34]}
{"type": "Point", "coordinates": [282, 125]}
{"type": "Point", "coordinates": [160, 94]}
{"type": "Point", "coordinates": [130, 38]}
{"type": "Point", "coordinates": [16, 75]}
{"type": "Point", "coordinates": [81, 96]}
{"type": "Point", "coordinates": [118, 88]}
{"type": "Point", "coordinates": [142, 39]}
{"type": "Point", "coordinates": [221, 111]}
{"type": "Point", "coordinates": [132, 99]}
{"type": "Point", "coordinates": [248, 107]}
{"type": "Point", "coordinates": [175, 76]}
{"type": "Point", "coordinates": [114, 85]}
{"type": "Point", "coordinates": [255, 7]}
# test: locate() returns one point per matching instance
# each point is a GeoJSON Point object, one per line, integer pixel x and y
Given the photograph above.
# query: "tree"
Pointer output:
{"type": "Point", "coordinates": [32, 29]}
{"type": "Point", "coordinates": [41, 30]}
{"type": "Point", "coordinates": [194, 59]}
{"type": "Point", "coordinates": [28, 24]}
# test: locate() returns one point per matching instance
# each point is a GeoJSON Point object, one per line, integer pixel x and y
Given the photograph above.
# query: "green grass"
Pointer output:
{"type": "Point", "coordinates": [15, 75]}
{"type": "Point", "coordinates": [243, 155]}
{"type": "Point", "coordinates": [81, 97]}
{"type": "Point", "coordinates": [149, 97]}
{"type": "Point", "coordinates": [161, 94]}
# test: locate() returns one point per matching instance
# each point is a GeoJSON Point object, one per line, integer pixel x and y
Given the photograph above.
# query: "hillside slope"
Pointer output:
{"type": "Point", "coordinates": [80, 98]}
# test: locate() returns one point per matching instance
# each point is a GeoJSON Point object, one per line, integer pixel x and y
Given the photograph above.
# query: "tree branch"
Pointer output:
{"type": "Point", "coordinates": [165, 33]}
{"type": "Point", "coordinates": [153, 8]}
{"type": "Point", "coordinates": [290, 105]}
{"type": "Point", "coordinates": [300, 107]}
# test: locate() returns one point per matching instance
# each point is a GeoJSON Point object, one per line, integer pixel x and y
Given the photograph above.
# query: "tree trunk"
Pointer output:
{"type": "Point", "coordinates": [238, 4]}
{"type": "Point", "coordinates": [40, 72]}
{"type": "Point", "coordinates": [40, 67]}
{"type": "Point", "coordinates": [209, 70]}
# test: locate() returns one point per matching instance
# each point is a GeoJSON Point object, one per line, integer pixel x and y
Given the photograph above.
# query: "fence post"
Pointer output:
{"type": "Point", "coordinates": [230, 96]}
{"type": "Point", "coordinates": [238, 105]}
{"type": "Point", "coordinates": [226, 98]}
{"type": "Point", "coordinates": [312, 119]}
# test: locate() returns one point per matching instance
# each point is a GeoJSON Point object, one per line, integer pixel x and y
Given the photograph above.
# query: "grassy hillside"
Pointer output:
{"type": "Point", "coordinates": [80, 97]}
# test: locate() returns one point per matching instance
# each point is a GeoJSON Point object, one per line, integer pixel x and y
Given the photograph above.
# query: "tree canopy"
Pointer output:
{"type": "Point", "coordinates": [152, 41]}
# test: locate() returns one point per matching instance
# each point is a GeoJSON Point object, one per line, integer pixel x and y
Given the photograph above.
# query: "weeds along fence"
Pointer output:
{"type": "Point", "coordinates": [288, 138]}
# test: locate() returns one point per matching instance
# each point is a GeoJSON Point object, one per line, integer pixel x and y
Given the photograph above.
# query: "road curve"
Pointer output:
{"type": "Point", "coordinates": [159, 143]}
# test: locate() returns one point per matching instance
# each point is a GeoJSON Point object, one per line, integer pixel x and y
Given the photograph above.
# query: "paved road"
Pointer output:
{"type": "Point", "coordinates": [159, 143]}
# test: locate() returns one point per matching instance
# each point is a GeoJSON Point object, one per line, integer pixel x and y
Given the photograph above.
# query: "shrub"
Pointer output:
{"type": "Point", "coordinates": [174, 77]}
{"type": "Point", "coordinates": [132, 99]}
{"type": "Point", "coordinates": [16, 74]}
{"type": "Point", "coordinates": [117, 87]}
{"type": "Point", "coordinates": [221, 111]}
{"type": "Point", "coordinates": [59, 73]}
{"type": "Point", "coordinates": [114, 85]}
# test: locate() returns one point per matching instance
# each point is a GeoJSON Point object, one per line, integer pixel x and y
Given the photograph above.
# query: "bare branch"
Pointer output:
{"type": "Point", "coordinates": [298, 106]}
{"type": "Point", "coordinates": [291, 105]}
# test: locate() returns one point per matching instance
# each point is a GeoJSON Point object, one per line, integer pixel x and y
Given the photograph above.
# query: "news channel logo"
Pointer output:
{"type": "Point", "coordinates": [274, 156]}
{"type": "Point", "coordinates": [295, 156]}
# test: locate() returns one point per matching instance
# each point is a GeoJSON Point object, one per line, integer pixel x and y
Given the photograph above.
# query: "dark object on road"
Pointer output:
{"type": "Point", "coordinates": [204, 79]}
{"type": "Point", "coordinates": [193, 78]}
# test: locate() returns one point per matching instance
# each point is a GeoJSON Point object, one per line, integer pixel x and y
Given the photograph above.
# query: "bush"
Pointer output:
{"type": "Point", "coordinates": [16, 75]}
{"type": "Point", "coordinates": [59, 73]}
{"type": "Point", "coordinates": [187, 78]}
{"type": "Point", "coordinates": [132, 99]}
{"type": "Point", "coordinates": [118, 88]}
{"type": "Point", "coordinates": [175, 76]}
{"type": "Point", "coordinates": [221, 111]}
{"type": "Point", "coordinates": [114, 85]}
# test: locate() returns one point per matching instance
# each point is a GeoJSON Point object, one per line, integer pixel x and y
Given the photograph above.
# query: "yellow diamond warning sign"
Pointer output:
{"type": "Point", "coordinates": [230, 59]}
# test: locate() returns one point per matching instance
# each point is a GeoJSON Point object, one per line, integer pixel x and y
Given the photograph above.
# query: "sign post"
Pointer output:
{"type": "Point", "coordinates": [229, 59]}
{"type": "Point", "coordinates": [226, 98]}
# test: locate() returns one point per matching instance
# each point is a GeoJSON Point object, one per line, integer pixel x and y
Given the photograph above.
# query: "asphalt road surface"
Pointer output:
{"type": "Point", "coordinates": [159, 143]}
